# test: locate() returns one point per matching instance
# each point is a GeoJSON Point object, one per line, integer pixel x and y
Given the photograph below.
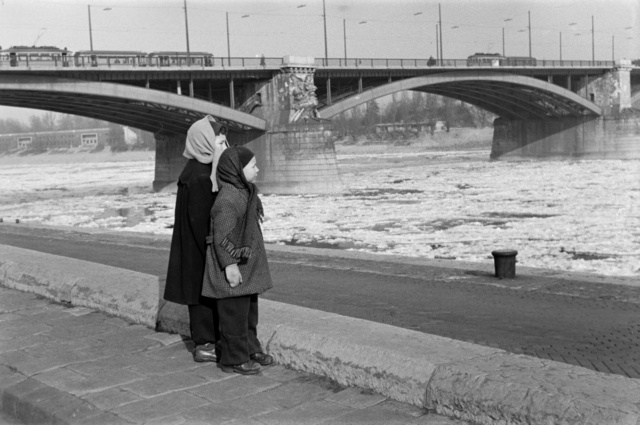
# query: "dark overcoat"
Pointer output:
{"type": "Point", "coordinates": [227, 212]}
{"type": "Point", "coordinates": [190, 230]}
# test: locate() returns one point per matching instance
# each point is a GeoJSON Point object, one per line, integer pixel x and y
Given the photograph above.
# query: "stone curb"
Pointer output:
{"type": "Point", "coordinates": [33, 402]}
{"type": "Point", "coordinates": [453, 378]}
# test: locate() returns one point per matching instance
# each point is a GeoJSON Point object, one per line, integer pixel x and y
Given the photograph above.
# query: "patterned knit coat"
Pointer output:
{"type": "Point", "coordinates": [227, 212]}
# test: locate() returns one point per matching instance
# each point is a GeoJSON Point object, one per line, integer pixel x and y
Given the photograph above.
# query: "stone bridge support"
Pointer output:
{"type": "Point", "coordinates": [615, 134]}
{"type": "Point", "coordinates": [169, 160]}
{"type": "Point", "coordinates": [296, 154]}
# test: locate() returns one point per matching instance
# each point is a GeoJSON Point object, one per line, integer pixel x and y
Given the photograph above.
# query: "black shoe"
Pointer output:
{"type": "Point", "coordinates": [262, 358]}
{"type": "Point", "coordinates": [247, 368]}
{"type": "Point", "coordinates": [205, 353]}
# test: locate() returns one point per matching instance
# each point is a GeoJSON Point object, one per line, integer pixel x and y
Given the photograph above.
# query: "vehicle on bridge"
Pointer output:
{"type": "Point", "coordinates": [179, 58]}
{"type": "Point", "coordinates": [32, 55]}
{"type": "Point", "coordinates": [496, 59]}
{"type": "Point", "coordinates": [84, 58]}
{"type": "Point", "coordinates": [49, 55]}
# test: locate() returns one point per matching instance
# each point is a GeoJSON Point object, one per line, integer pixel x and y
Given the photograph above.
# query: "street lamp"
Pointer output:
{"type": "Point", "coordinates": [440, 26]}
{"type": "Point", "coordinates": [560, 45]}
{"type": "Point", "coordinates": [324, 17]}
{"type": "Point", "coordinates": [228, 39]}
{"type": "Point", "coordinates": [503, 43]}
{"type": "Point", "coordinates": [593, 43]}
{"type": "Point", "coordinates": [90, 30]}
{"type": "Point", "coordinates": [186, 27]}
{"type": "Point", "coordinates": [344, 29]}
{"type": "Point", "coordinates": [529, 13]}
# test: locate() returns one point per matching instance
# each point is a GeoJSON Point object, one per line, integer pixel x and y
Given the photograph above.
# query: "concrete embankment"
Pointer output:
{"type": "Point", "coordinates": [454, 378]}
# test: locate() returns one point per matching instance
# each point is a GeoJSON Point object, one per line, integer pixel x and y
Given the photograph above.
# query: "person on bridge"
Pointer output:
{"type": "Point", "coordinates": [237, 269]}
{"type": "Point", "coordinates": [197, 189]}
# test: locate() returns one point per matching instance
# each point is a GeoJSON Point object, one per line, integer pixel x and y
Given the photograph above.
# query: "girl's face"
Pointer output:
{"type": "Point", "coordinates": [251, 170]}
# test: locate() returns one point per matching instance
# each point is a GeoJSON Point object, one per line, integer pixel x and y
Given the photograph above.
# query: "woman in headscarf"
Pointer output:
{"type": "Point", "coordinates": [237, 269]}
{"type": "Point", "coordinates": [197, 189]}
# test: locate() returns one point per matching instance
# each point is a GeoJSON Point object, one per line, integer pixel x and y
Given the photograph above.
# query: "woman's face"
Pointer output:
{"type": "Point", "coordinates": [251, 170]}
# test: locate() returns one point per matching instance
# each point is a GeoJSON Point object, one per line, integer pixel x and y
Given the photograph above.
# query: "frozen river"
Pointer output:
{"type": "Point", "coordinates": [570, 215]}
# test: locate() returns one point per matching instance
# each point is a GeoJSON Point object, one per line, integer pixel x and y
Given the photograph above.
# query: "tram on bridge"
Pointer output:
{"type": "Point", "coordinates": [46, 56]}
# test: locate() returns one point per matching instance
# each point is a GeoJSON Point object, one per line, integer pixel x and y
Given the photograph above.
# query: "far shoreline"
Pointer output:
{"type": "Point", "coordinates": [458, 139]}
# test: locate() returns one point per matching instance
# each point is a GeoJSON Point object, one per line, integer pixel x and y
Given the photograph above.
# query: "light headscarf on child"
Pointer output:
{"type": "Point", "coordinates": [205, 144]}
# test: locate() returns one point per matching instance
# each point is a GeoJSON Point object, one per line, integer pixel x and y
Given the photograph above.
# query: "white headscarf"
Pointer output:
{"type": "Point", "coordinates": [205, 146]}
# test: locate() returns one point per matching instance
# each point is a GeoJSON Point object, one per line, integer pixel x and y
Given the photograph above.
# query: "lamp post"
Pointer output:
{"type": "Point", "coordinates": [90, 29]}
{"type": "Point", "coordinates": [344, 29]}
{"type": "Point", "coordinates": [228, 39]}
{"type": "Point", "coordinates": [529, 13]}
{"type": "Point", "coordinates": [228, 42]}
{"type": "Point", "coordinates": [503, 39]}
{"type": "Point", "coordinates": [186, 27]}
{"type": "Point", "coordinates": [324, 18]}
{"type": "Point", "coordinates": [593, 44]}
{"type": "Point", "coordinates": [90, 34]}
{"type": "Point", "coordinates": [440, 24]}
{"type": "Point", "coordinates": [437, 44]}
{"type": "Point", "coordinates": [560, 45]}
{"type": "Point", "coordinates": [613, 48]}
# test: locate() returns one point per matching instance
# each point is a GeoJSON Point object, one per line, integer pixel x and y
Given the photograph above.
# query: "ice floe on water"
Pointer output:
{"type": "Point", "coordinates": [581, 215]}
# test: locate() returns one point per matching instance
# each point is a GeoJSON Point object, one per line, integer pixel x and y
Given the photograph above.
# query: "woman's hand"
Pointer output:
{"type": "Point", "coordinates": [232, 272]}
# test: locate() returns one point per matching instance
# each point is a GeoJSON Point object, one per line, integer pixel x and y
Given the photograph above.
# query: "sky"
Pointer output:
{"type": "Point", "coordinates": [368, 28]}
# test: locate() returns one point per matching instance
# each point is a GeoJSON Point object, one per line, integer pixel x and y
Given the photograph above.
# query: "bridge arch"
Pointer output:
{"type": "Point", "coordinates": [506, 95]}
{"type": "Point", "coordinates": [146, 109]}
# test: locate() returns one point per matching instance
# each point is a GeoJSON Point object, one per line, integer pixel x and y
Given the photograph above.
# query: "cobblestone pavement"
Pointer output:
{"type": "Point", "coordinates": [578, 321]}
{"type": "Point", "coordinates": [63, 364]}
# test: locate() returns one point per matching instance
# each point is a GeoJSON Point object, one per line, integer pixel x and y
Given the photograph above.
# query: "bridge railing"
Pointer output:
{"type": "Point", "coordinates": [451, 63]}
{"type": "Point", "coordinates": [120, 62]}
{"type": "Point", "coordinates": [115, 62]}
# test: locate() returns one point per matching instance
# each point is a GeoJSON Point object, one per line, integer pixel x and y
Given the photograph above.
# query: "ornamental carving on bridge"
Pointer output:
{"type": "Point", "coordinates": [303, 97]}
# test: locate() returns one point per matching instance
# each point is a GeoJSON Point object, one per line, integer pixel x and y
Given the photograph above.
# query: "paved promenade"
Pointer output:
{"type": "Point", "coordinates": [62, 364]}
{"type": "Point", "coordinates": [359, 345]}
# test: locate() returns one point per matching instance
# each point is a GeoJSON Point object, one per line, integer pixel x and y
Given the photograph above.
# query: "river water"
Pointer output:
{"type": "Point", "coordinates": [570, 215]}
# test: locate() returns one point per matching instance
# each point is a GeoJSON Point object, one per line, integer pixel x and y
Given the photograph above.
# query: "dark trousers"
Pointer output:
{"type": "Point", "coordinates": [203, 321]}
{"type": "Point", "coordinates": [238, 329]}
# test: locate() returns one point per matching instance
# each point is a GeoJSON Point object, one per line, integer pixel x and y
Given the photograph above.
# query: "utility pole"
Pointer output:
{"type": "Point", "coordinates": [186, 26]}
{"type": "Point", "coordinates": [593, 42]}
{"type": "Point", "coordinates": [503, 54]}
{"type": "Point", "coordinates": [324, 17]}
{"type": "Point", "coordinates": [437, 45]}
{"type": "Point", "coordinates": [90, 35]}
{"type": "Point", "coordinates": [228, 43]}
{"type": "Point", "coordinates": [440, 23]}
{"type": "Point", "coordinates": [344, 28]}
{"type": "Point", "coordinates": [560, 45]}
{"type": "Point", "coordinates": [530, 34]}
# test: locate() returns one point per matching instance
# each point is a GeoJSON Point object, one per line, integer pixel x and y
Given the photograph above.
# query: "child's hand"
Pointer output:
{"type": "Point", "coordinates": [232, 272]}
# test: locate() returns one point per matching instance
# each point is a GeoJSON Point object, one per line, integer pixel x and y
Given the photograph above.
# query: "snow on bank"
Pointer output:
{"type": "Point", "coordinates": [569, 215]}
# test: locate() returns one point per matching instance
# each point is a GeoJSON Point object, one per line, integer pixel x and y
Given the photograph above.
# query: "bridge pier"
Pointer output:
{"type": "Point", "coordinates": [574, 137]}
{"type": "Point", "coordinates": [614, 134]}
{"type": "Point", "coordinates": [296, 155]}
{"type": "Point", "coordinates": [169, 160]}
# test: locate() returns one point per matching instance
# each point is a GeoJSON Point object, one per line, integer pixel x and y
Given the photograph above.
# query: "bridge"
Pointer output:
{"type": "Point", "coordinates": [282, 107]}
